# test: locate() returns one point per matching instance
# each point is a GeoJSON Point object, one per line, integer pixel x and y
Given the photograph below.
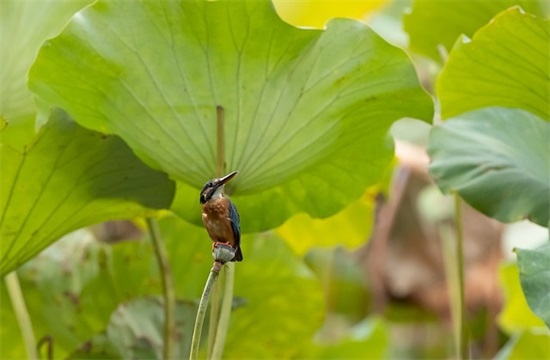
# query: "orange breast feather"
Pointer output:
{"type": "Point", "coordinates": [215, 216]}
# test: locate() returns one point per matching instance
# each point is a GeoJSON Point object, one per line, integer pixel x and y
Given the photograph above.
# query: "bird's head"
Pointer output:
{"type": "Point", "coordinates": [213, 189]}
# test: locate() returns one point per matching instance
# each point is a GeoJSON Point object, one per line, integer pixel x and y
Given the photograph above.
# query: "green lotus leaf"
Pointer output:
{"type": "Point", "coordinates": [504, 64]}
{"type": "Point", "coordinates": [535, 279]}
{"type": "Point", "coordinates": [431, 23]}
{"type": "Point", "coordinates": [67, 178]}
{"type": "Point", "coordinates": [100, 347]}
{"type": "Point", "coordinates": [497, 159]}
{"type": "Point", "coordinates": [24, 26]}
{"type": "Point", "coordinates": [136, 328]}
{"type": "Point", "coordinates": [305, 111]}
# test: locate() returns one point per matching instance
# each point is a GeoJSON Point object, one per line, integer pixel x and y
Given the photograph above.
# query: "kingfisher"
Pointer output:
{"type": "Point", "coordinates": [220, 216]}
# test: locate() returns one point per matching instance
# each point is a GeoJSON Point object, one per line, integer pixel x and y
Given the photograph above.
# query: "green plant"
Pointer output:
{"type": "Point", "coordinates": [125, 126]}
{"type": "Point", "coordinates": [493, 147]}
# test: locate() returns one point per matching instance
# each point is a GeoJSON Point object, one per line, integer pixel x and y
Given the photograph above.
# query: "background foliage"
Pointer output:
{"type": "Point", "coordinates": [123, 124]}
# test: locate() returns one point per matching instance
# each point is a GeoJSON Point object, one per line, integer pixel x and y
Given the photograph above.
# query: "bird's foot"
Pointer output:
{"type": "Point", "coordinates": [222, 252]}
{"type": "Point", "coordinates": [216, 244]}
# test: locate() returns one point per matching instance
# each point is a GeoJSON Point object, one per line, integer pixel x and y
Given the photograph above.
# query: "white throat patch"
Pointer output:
{"type": "Point", "coordinates": [218, 193]}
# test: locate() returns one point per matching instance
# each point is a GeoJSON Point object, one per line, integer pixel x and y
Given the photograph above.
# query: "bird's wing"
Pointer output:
{"type": "Point", "coordinates": [235, 223]}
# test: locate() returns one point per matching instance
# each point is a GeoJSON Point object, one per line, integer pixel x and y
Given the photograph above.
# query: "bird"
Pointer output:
{"type": "Point", "coordinates": [220, 216]}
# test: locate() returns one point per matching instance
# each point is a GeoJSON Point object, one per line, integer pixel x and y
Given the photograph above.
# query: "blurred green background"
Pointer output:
{"type": "Point", "coordinates": [369, 274]}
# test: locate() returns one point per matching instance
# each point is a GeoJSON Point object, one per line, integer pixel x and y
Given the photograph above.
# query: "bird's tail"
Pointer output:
{"type": "Point", "coordinates": [238, 255]}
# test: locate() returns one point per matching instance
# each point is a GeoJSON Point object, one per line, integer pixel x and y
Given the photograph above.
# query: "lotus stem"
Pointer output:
{"type": "Point", "coordinates": [167, 289]}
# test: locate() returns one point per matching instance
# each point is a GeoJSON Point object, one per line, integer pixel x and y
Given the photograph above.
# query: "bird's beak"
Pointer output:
{"type": "Point", "coordinates": [227, 177]}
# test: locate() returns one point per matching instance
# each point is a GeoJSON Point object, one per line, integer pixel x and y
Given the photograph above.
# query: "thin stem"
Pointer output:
{"type": "Point", "coordinates": [227, 301]}
{"type": "Point", "coordinates": [220, 142]}
{"type": "Point", "coordinates": [220, 171]}
{"type": "Point", "coordinates": [201, 312]}
{"type": "Point", "coordinates": [448, 244]}
{"type": "Point", "coordinates": [21, 314]}
{"type": "Point", "coordinates": [214, 317]}
{"type": "Point", "coordinates": [218, 333]}
{"type": "Point", "coordinates": [227, 297]}
{"type": "Point", "coordinates": [167, 289]}
{"type": "Point", "coordinates": [460, 269]}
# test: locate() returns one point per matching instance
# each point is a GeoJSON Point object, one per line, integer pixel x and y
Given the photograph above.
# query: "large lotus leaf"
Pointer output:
{"type": "Point", "coordinates": [505, 64]}
{"type": "Point", "coordinates": [306, 111]}
{"type": "Point", "coordinates": [136, 328]}
{"type": "Point", "coordinates": [431, 23]}
{"type": "Point", "coordinates": [534, 274]}
{"type": "Point", "coordinates": [98, 347]}
{"type": "Point", "coordinates": [67, 178]}
{"type": "Point", "coordinates": [24, 26]}
{"type": "Point", "coordinates": [498, 160]}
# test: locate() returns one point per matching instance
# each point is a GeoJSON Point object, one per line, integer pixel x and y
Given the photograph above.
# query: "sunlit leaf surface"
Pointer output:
{"type": "Point", "coordinates": [69, 177]}
{"type": "Point", "coordinates": [498, 161]}
{"type": "Point", "coordinates": [516, 316]}
{"type": "Point", "coordinates": [350, 227]}
{"type": "Point", "coordinates": [306, 111]}
{"type": "Point", "coordinates": [505, 64]}
{"type": "Point", "coordinates": [316, 13]}
{"type": "Point", "coordinates": [530, 344]}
